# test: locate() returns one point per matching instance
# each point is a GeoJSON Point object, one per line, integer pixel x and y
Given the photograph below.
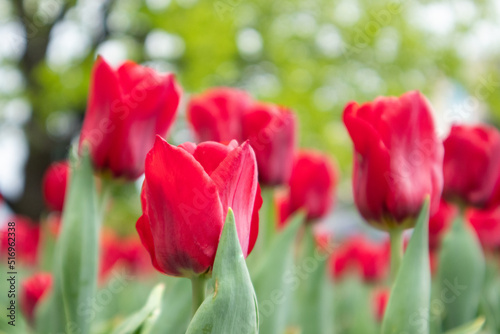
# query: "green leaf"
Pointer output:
{"type": "Point", "coordinates": [472, 327]}
{"type": "Point", "coordinates": [150, 311]}
{"type": "Point", "coordinates": [175, 310]}
{"type": "Point", "coordinates": [315, 294]}
{"type": "Point", "coordinates": [232, 308]}
{"type": "Point", "coordinates": [274, 280]}
{"type": "Point", "coordinates": [76, 257]}
{"type": "Point", "coordinates": [408, 307]}
{"type": "Point", "coordinates": [461, 275]}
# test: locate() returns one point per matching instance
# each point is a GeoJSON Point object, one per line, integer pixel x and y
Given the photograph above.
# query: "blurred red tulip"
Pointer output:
{"type": "Point", "coordinates": [380, 299]}
{"type": "Point", "coordinates": [397, 160]}
{"type": "Point", "coordinates": [271, 131]}
{"type": "Point", "coordinates": [33, 289]}
{"type": "Point", "coordinates": [54, 185]}
{"type": "Point", "coordinates": [312, 186]}
{"type": "Point", "coordinates": [185, 198]}
{"type": "Point", "coordinates": [223, 114]}
{"type": "Point", "coordinates": [471, 165]}
{"type": "Point", "coordinates": [440, 221]}
{"type": "Point", "coordinates": [27, 239]}
{"type": "Point", "coordinates": [486, 223]}
{"type": "Point", "coordinates": [366, 258]}
{"type": "Point", "coordinates": [127, 252]}
{"type": "Point", "coordinates": [216, 114]}
{"type": "Point", "coordinates": [127, 108]}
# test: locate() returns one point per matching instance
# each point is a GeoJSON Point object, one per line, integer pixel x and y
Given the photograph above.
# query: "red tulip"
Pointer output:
{"type": "Point", "coordinates": [380, 300]}
{"type": "Point", "coordinates": [223, 114]}
{"type": "Point", "coordinates": [33, 290]}
{"type": "Point", "coordinates": [440, 221]}
{"type": "Point", "coordinates": [398, 158]}
{"type": "Point", "coordinates": [27, 238]}
{"type": "Point", "coordinates": [471, 163]}
{"type": "Point", "coordinates": [126, 252]}
{"type": "Point", "coordinates": [216, 114]}
{"type": "Point", "coordinates": [127, 108]}
{"type": "Point", "coordinates": [271, 131]}
{"type": "Point", "coordinates": [54, 185]}
{"type": "Point", "coordinates": [486, 223]}
{"type": "Point", "coordinates": [312, 186]}
{"type": "Point", "coordinates": [185, 198]}
{"type": "Point", "coordinates": [368, 259]}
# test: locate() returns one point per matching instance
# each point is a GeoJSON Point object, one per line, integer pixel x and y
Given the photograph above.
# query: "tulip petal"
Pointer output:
{"type": "Point", "coordinates": [98, 124]}
{"type": "Point", "coordinates": [236, 180]}
{"type": "Point", "coordinates": [254, 228]}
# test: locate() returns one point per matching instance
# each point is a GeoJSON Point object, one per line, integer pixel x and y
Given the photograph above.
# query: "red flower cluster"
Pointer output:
{"type": "Point", "coordinates": [224, 114]}
{"type": "Point", "coordinates": [185, 199]}
{"type": "Point", "coordinates": [398, 158]}
{"type": "Point", "coordinates": [366, 258]}
{"type": "Point", "coordinates": [127, 252]}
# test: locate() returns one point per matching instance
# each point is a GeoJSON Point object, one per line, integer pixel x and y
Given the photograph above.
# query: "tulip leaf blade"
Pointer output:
{"type": "Point", "coordinates": [461, 274]}
{"type": "Point", "coordinates": [76, 254]}
{"type": "Point", "coordinates": [149, 312]}
{"type": "Point", "coordinates": [473, 327]}
{"type": "Point", "coordinates": [314, 300]}
{"type": "Point", "coordinates": [408, 307]}
{"type": "Point", "coordinates": [232, 307]}
{"type": "Point", "coordinates": [275, 273]}
{"type": "Point", "coordinates": [175, 311]}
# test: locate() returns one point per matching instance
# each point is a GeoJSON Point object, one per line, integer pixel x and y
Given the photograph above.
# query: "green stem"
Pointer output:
{"type": "Point", "coordinates": [198, 284]}
{"type": "Point", "coordinates": [396, 237]}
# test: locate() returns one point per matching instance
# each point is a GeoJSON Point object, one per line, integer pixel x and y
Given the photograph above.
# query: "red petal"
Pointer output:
{"type": "Point", "coordinates": [97, 125]}
{"type": "Point", "coordinates": [236, 180]}
{"type": "Point", "coordinates": [254, 229]}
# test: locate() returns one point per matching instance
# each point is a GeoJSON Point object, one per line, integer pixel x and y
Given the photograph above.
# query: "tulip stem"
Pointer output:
{"type": "Point", "coordinates": [198, 284]}
{"type": "Point", "coordinates": [396, 236]}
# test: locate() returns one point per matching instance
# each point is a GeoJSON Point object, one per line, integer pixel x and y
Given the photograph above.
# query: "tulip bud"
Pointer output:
{"type": "Point", "coordinates": [471, 164]}
{"type": "Point", "coordinates": [486, 223]}
{"type": "Point", "coordinates": [27, 235]}
{"type": "Point", "coordinates": [33, 289]}
{"type": "Point", "coordinates": [397, 160]}
{"type": "Point", "coordinates": [380, 299]}
{"type": "Point", "coordinates": [127, 108]}
{"type": "Point", "coordinates": [185, 198]}
{"type": "Point", "coordinates": [54, 185]}
{"type": "Point", "coordinates": [312, 186]}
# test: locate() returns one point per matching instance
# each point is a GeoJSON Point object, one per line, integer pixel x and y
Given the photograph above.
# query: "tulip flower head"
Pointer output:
{"type": "Point", "coordinates": [27, 235]}
{"type": "Point", "coordinates": [486, 223]}
{"type": "Point", "coordinates": [127, 108]}
{"type": "Point", "coordinates": [33, 290]}
{"type": "Point", "coordinates": [185, 198]}
{"type": "Point", "coordinates": [471, 164]}
{"type": "Point", "coordinates": [398, 159]}
{"type": "Point", "coordinates": [311, 186]}
{"type": "Point", "coordinates": [54, 185]}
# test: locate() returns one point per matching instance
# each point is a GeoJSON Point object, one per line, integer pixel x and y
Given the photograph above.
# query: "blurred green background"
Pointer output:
{"type": "Point", "coordinates": [313, 56]}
